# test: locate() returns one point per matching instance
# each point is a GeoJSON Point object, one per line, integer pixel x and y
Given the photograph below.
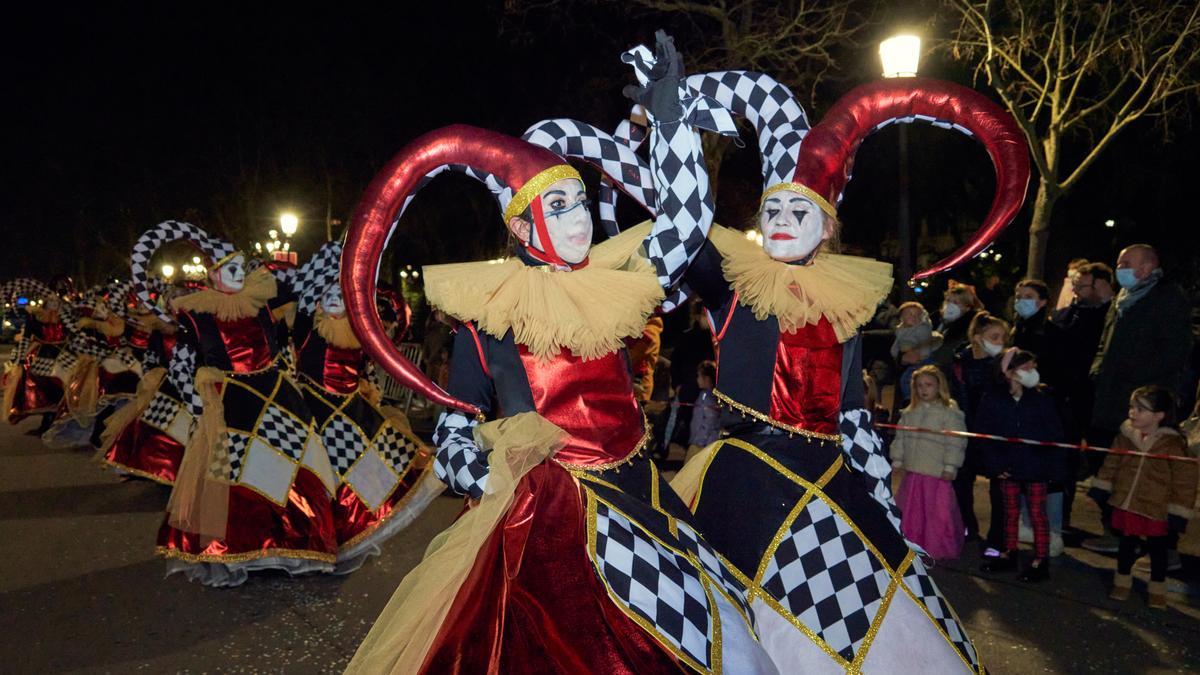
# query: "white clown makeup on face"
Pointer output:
{"type": "Point", "coordinates": [332, 303]}
{"type": "Point", "coordinates": [230, 277]}
{"type": "Point", "coordinates": [792, 226]}
{"type": "Point", "coordinates": [568, 222]}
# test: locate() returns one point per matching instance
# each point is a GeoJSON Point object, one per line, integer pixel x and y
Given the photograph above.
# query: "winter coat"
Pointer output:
{"type": "Point", "coordinates": [1154, 488]}
{"type": "Point", "coordinates": [954, 336]}
{"type": "Point", "coordinates": [925, 453]}
{"type": "Point", "coordinates": [1039, 335]}
{"type": "Point", "coordinates": [1032, 416]}
{"type": "Point", "coordinates": [971, 377]}
{"type": "Point", "coordinates": [1148, 344]}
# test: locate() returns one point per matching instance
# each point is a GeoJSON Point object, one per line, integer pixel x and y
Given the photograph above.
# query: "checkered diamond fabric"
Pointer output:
{"type": "Point", "coordinates": [227, 462]}
{"type": "Point", "coordinates": [458, 462]}
{"type": "Point", "coordinates": [918, 581]}
{"type": "Point", "coordinates": [863, 447]}
{"type": "Point", "coordinates": [161, 411]}
{"type": "Point", "coordinates": [656, 583]}
{"type": "Point", "coordinates": [631, 132]}
{"type": "Point", "coordinates": [182, 373]}
{"type": "Point", "coordinates": [614, 159]}
{"type": "Point", "coordinates": [713, 566]}
{"type": "Point", "coordinates": [155, 237]}
{"type": "Point", "coordinates": [316, 275]}
{"type": "Point", "coordinates": [282, 432]}
{"type": "Point", "coordinates": [41, 366]}
{"type": "Point", "coordinates": [343, 441]}
{"type": "Point", "coordinates": [24, 287]}
{"type": "Point", "coordinates": [823, 574]}
{"type": "Point", "coordinates": [397, 449]}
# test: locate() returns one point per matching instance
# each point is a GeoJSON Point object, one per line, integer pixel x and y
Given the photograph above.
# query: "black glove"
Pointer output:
{"type": "Point", "coordinates": [1099, 496]}
{"type": "Point", "coordinates": [1176, 524]}
{"type": "Point", "coordinates": [661, 93]}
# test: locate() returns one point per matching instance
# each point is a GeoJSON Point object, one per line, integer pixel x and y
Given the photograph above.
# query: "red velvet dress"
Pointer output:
{"type": "Point", "coordinates": [595, 567]}
{"type": "Point", "coordinates": [280, 514]}
{"type": "Point", "coordinates": [384, 473]}
{"type": "Point", "coordinates": [39, 387]}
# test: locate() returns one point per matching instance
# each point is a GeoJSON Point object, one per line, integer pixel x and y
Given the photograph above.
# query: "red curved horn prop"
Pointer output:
{"type": "Point", "coordinates": [504, 156]}
{"type": "Point", "coordinates": [827, 152]}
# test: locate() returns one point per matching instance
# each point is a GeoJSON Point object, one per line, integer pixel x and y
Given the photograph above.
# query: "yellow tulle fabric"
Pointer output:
{"type": "Point", "coordinates": [110, 326]}
{"type": "Point", "coordinates": [335, 329]}
{"type": "Point", "coordinates": [843, 289]}
{"type": "Point", "coordinates": [14, 374]}
{"type": "Point", "coordinates": [83, 387]}
{"type": "Point", "coordinates": [128, 413]}
{"type": "Point", "coordinates": [589, 311]}
{"type": "Point", "coordinates": [259, 288]}
{"type": "Point", "coordinates": [199, 502]}
{"type": "Point", "coordinates": [406, 629]}
{"type": "Point", "coordinates": [686, 483]}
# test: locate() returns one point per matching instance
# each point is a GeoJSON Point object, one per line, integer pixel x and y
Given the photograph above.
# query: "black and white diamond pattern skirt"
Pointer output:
{"type": "Point", "coordinates": [383, 471]}
{"type": "Point", "coordinates": [833, 586]}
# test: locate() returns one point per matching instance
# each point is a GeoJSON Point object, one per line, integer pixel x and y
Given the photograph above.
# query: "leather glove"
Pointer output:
{"type": "Point", "coordinates": [660, 96]}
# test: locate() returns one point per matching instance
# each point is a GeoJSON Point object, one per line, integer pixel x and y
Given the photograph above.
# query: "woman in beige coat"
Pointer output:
{"type": "Point", "coordinates": [930, 516]}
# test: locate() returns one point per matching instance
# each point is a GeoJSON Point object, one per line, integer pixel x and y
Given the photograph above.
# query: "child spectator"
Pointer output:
{"type": "Point", "coordinates": [1021, 410]}
{"type": "Point", "coordinates": [1151, 498]}
{"type": "Point", "coordinates": [706, 416]}
{"type": "Point", "coordinates": [974, 373]}
{"type": "Point", "coordinates": [915, 341]}
{"type": "Point", "coordinates": [930, 462]}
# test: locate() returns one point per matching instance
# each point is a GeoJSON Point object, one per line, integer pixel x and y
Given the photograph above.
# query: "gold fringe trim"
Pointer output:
{"type": "Point", "coordinates": [589, 311]}
{"type": "Point", "coordinates": [260, 287]}
{"type": "Point", "coordinates": [843, 289]}
{"type": "Point", "coordinates": [747, 410]}
{"type": "Point", "coordinates": [637, 450]}
{"type": "Point", "coordinates": [234, 558]}
{"type": "Point", "coordinates": [335, 329]}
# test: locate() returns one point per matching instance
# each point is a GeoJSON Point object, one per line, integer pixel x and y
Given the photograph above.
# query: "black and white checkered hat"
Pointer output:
{"type": "Point", "coordinates": [215, 249]}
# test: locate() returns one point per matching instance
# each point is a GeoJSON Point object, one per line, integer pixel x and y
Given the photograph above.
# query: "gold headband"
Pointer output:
{"type": "Point", "coordinates": [534, 186]}
{"type": "Point", "coordinates": [808, 193]}
{"type": "Point", "coordinates": [224, 260]}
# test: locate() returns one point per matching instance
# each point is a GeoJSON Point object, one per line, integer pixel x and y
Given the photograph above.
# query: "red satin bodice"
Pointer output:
{"type": "Point", "coordinates": [591, 400]}
{"type": "Point", "coordinates": [52, 333]}
{"type": "Point", "coordinates": [248, 347]}
{"type": "Point", "coordinates": [807, 380]}
{"type": "Point", "coordinates": [341, 372]}
{"type": "Point", "coordinates": [139, 339]}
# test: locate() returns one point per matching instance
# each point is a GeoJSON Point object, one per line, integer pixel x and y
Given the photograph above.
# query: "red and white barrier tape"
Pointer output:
{"type": "Point", "coordinates": [1029, 441]}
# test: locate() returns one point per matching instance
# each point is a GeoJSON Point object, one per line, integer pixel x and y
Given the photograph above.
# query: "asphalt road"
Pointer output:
{"type": "Point", "coordinates": [81, 592]}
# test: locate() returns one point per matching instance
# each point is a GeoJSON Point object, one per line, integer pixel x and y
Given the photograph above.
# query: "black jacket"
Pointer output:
{"type": "Point", "coordinates": [1034, 417]}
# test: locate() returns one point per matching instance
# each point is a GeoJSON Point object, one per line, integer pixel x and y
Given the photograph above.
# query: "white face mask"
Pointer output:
{"type": "Point", "coordinates": [332, 302]}
{"type": "Point", "coordinates": [991, 348]}
{"type": "Point", "coordinates": [568, 220]}
{"type": "Point", "coordinates": [792, 226]}
{"type": "Point", "coordinates": [231, 277]}
{"type": "Point", "coordinates": [951, 311]}
{"type": "Point", "coordinates": [1028, 378]}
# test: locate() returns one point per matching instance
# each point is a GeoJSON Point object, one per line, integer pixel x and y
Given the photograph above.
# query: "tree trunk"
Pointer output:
{"type": "Point", "coordinates": [1039, 231]}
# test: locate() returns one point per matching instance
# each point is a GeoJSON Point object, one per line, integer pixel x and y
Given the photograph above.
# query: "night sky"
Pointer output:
{"type": "Point", "coordinates": [121, 116]}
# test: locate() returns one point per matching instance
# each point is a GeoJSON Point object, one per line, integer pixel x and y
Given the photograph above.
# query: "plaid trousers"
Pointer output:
{"type": "Point", "coordinates": [1035, 495]}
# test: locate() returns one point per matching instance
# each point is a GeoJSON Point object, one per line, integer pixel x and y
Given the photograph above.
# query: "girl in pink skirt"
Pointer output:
{"type": "Point", "coordinates": [930, 516]}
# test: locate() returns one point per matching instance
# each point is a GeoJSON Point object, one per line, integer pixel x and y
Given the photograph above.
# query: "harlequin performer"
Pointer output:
{"type": "Point", "coordinates": [34, 378]}
{"type": "Point", "coordinates": [146, 438]}
{"type": "Point", "coordinates": [103, 374]}
{"type": "Point", "coordinates": [797, 497]}
{"type": "Point", "coordinates": [253, 490]}
{"type": "Point", "coordinates": [384, 473]}
{"type": "Point", "coordinates": [577, 556]}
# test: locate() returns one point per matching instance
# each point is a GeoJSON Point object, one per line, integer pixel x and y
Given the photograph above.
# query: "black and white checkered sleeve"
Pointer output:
{"type": "Point", "coordinates": [458, 462]}
{"type": "Point", "coordinates": [182, 371]}
{"type": "Point", "coordinates": [863, 448]}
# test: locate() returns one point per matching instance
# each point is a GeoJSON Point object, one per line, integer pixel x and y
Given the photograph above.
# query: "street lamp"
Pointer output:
{"type": "Point", "coordinates": [900, 56]}
{"type": "Point", "coordinates": [288, 222]}
{"type": "Point", "coordinates": [168, 271]}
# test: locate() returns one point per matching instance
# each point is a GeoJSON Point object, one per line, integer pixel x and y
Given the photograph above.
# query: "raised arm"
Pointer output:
{"type": "Point", "coordinates": [458, 461]}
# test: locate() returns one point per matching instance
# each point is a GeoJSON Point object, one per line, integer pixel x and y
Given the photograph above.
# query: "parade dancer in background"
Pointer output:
{"type": "Point", "coordinates": [577, 557]}
{"type": "Point", "coordinates": [798, 497]}
{"type": "Point", "coordinates": [384, 473]}
{"type": "Point", "coordinates": [35, 377]}
{"type": "Point", "coordinates": [253, 490]}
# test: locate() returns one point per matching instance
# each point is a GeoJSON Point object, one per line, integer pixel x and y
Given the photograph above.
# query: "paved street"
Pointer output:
{"type": "Point", "coordinates": [81, 592]}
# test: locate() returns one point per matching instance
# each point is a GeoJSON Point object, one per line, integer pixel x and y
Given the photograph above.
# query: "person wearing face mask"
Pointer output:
{"type": "Point", "coordinates": [538, 575]}
{"type": "Point", "coordinates": [1032, 329]}
{"type": "Point", "coordinates": [801, 465]}
{"type": "Point", "coordinates": [974, 374]}
{"type": "Point", "coordinates": [1019, 408]}
{"type": "Point", "coordinates": [384, 473]}
{"type": "Point", "coordinates": [958, 311]}
{"type": "Point", "coordinates": [253, 487]}
{"type": "Point", "coordinates": [1146, 339]}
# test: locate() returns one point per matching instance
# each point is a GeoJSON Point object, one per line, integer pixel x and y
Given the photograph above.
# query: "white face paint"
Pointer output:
{"type": "Point", "coordinates": [332, 303]}
{"type": "Point", "coordinates": [230, 277]}
{"type": "Point", "coordinates": [792, 226]}
{"type": "Point", "coordinates": [565, 208]}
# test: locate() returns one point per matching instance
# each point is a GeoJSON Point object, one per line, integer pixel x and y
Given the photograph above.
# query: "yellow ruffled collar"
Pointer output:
{"type": "Point", "coordinates": [589, 311]}
{"type": "Point", "coordinates": [843, 289]}
{"type": "Point", "coordinates": [260, 287]}
{"type": "Point", "coordinates": [335, 330]}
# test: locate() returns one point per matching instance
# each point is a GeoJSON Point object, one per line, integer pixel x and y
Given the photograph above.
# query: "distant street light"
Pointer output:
{"type": "Point", "coordinates": [288, 222]}
{"type": "Point", "coordinates": [1110, 223]}
{"type": "Point", "coordinates": [168, 271]}
{"type": "Point", "coordinates": [195, 260]}
{"type": "Point", "coordinates": [900, 56]}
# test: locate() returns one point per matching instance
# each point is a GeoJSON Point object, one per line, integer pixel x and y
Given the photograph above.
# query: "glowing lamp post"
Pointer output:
{"type": "Point", "coordinates": [288, 224]}
{"type": "Point", "coordinates": [900, 56]}
{"type": "Point", "coordinates": [168, 271]}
